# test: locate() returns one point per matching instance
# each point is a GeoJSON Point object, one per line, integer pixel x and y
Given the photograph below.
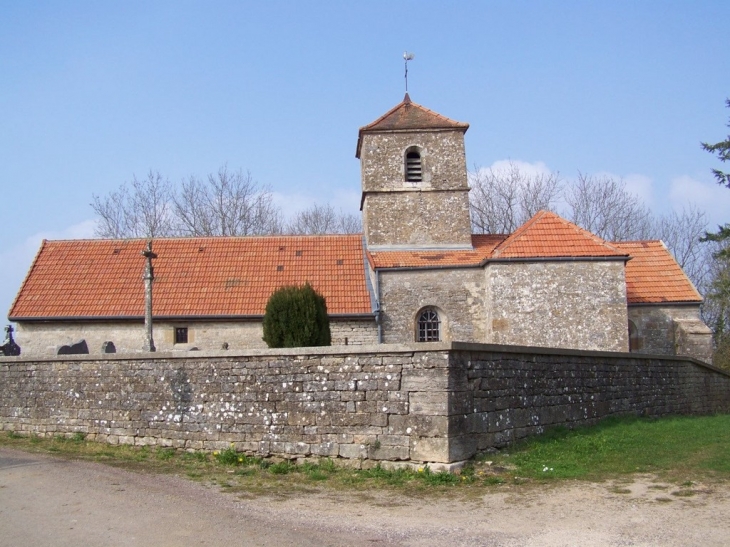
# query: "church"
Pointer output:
{"type": "Point", "coordinates": [417, 274]}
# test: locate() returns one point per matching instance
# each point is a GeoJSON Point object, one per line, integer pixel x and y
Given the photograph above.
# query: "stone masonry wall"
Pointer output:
{"type": "Point", "coordinates": [501, 395]}
{"type": "Point", "coordinates": [417, 219]}
{"type": "Point", "coordinates": [457, 295]}
{"type": "Point", "coordinates": [434, 212]}
{"type": "Point", "coordinates": [364, 404]}
{"type": "Point", "coordinates": [44, 338]}
{"type": "Point", "coordinates": [577, 305]}
{"type": "Point", "coordinates": [672, 330]}
{"type": "Point", "coordinates": [423, 403]}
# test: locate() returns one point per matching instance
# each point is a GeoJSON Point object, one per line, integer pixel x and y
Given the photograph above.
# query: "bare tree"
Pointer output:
{"type": "Point", "coordinates": [323, 219]}
{"type": "Point", "coordinates": [501, 200]}
{"type": "Point", "coordinates": [226, 204]}
{"type": "Point", "coordinates": [681, 233]}
{"type": "Point", "coordinates": [602, 205]}
{"type": "Point", "coordinates": [140, 211]}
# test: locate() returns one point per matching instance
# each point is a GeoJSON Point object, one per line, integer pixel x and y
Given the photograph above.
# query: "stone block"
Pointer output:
{"type": "Point", "coordinates": [388, 452]}
{"type": "Point", "coordinates": [430, 449]}
{"type": "Point", "coordinates": [429, 403]}
{"type": "Point", "coordinates": [328, 449]}
{"type": "Point", "coordinates": [354, 451]}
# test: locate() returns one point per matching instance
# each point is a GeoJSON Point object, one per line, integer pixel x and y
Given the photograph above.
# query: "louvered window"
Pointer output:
{"type": "Point", "coordinates": [429, 326]}
{"type": "Point", "coordinates": [413, 166]}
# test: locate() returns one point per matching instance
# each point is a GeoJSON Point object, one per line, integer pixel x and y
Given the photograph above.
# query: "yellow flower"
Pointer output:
{"type": "Point", "coordinates": [215, 452]}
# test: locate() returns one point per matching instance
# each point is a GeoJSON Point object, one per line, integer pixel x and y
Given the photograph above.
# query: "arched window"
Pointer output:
{"type": "Point", "coordinates": [414, 172]}
{"type": "Point", "coordinates": [429, 326]}
{"type": "Point", "coordinates": [634, 340]}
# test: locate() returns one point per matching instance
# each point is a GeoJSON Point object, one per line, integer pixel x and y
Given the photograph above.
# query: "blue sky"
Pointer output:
{"type": "Point", "coordinates": [94, 92]}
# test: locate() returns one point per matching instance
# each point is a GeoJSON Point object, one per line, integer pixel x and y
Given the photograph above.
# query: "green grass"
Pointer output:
{"type": "Point", "coordinates": [680, 449]}
{"type": "Point", "coordinates": [677, 446]}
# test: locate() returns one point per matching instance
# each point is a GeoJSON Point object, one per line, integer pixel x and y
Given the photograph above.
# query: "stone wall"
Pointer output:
{"type": "Point", "coordinates": [672, 330]}
{"type": "Point", "coordinates": [419, 403]}
{"type": "Point", "coordinates": [500, 395]}
{"type": "Point", "coordinates": [457, 295]}
{"type": "Point", "coordinates": [44, 338]}
{"type": "Point", "coordinates": [431, 213]}
{"type": "Point", "coordinates": [412, 219]}
{"type": "Point", "coordinates": [561, 304]}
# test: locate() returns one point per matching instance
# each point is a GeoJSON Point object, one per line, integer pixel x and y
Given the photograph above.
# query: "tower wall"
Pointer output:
{"type": "Point", "coordinates": [431, 213]}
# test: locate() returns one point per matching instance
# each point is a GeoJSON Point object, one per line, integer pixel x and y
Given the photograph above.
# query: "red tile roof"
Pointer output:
{"type": "Point", "coordinates": [483, 247]}
{"type": "Point", "coordinates": [408, 115]}
{"type": "Point", "coordinates": [234, 276]}
{"type": "Point", "coordinates": [193, 277]}
{"type": "Point", "coordinates": [653, 276]}
{"type": "Point", "coordinates": [547, 235]}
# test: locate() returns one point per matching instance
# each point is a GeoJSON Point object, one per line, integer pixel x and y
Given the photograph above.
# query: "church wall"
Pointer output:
{"type": "Point", "coordinates": [579, 305]}
{"type": "Point", "coordinates": [45, 338]}
{"type": "Point", "coordinates": [457, 294]}
{"type": "Point", "coordinates": [671, 330]}
{"type": "Point", "coordinates": [429, 213]}
{"type": "Point", "coordinates": [443, 160]}
{"type": "Point", "coordinates": [415, 218]}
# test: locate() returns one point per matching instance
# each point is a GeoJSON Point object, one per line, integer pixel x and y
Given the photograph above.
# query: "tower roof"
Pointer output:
{"type": "Point", "coordinates": [409, 116]}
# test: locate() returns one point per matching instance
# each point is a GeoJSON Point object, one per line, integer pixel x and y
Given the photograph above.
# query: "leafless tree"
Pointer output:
{"type": "Point", "coordinates": [226, 204]}
{"type": "Point", "coordinates": [681, 233]}
{"type": "Point", "coordinates": [602, 205]}
{"type": "Point", "coordinates": [501, 200]}
{"type": "Point", "coordinates": [140, 211]}
{"type": "Point", "coordinates": [323, 219]}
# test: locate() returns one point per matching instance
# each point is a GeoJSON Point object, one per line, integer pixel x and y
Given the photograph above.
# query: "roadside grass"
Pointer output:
{"type": "Point", "coordinates": [682, 450]}
{"type": "Point", "coordinates": [676, 448]}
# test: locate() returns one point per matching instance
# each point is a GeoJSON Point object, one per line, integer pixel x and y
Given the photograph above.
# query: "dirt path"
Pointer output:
{"type": "Point", "coordinates": [47, 501]}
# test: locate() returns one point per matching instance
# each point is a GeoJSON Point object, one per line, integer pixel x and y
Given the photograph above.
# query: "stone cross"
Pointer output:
{"type": "Point", "coordinates": [149, 276]}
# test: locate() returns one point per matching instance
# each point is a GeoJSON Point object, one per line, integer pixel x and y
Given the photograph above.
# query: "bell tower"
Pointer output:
{"type": "Point", "coordinates": [415, 193]}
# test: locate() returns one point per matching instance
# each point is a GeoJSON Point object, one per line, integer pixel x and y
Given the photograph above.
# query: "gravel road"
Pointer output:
{"type": "Point", "coordinates": [49, 501]}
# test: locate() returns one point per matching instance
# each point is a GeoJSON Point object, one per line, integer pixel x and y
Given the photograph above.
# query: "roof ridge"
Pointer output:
{"type": "Point", "coordinates": [545, 213]}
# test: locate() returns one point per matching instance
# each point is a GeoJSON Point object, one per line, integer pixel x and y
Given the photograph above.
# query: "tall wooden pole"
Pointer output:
{"type": "Point", "coordinates": [149, 277]}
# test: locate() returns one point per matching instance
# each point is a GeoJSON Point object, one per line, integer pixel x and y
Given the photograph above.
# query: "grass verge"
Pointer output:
{"type": "Point", "coordinates": [677, 449]}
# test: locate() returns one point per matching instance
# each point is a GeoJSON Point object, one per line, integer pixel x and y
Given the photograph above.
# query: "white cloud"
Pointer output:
{"type": "Point", "coordinates": [531, 169]}
{"type": "Point", "coordinates": [347, 201]}
{"type": "Point", "coordinates": [708, 196]}
{"type": "Point", "coordinates": [15, 261]}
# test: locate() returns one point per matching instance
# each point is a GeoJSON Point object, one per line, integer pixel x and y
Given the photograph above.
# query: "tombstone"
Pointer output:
{"type": "Point", "coordinates": [77, 348]}
{"type": "Point", "coordinates": [9, 347]}
{"type": "Point", "coordinates": [108, 347]}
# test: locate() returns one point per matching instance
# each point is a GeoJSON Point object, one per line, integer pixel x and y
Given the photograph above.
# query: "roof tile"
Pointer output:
{"type": "Point", "coordinates": [230, 276]}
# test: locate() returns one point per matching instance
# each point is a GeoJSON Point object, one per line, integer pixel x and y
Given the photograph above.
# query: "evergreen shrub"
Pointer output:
{"type": "Point", "coordinates": [296, 317]}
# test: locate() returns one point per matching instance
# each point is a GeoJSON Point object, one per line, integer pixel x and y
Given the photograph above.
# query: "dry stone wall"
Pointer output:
{"type": "Point", "coordinates": [506, 394]}
{"type": "Point", "coordinates": [414, 404]}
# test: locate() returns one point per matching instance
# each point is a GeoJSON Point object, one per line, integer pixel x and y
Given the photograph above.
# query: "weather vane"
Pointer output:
{"type": "Point", "coordinates": [407, 57]}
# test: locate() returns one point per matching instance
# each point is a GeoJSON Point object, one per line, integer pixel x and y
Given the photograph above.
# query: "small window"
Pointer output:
{"type": "Point", "coordinates": [181, 335]}
{"type": "Point", "coordinates": [429, 326]}
{"type": "Point", "coordinates": [413, 166]}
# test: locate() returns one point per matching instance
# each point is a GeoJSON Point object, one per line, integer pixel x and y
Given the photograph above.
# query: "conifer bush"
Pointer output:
{"type": "Point", "coordinates": [296, 317]}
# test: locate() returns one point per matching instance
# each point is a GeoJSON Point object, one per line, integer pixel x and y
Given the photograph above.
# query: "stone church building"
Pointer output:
{"type": "Point", "coordinates": [416, 274]}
